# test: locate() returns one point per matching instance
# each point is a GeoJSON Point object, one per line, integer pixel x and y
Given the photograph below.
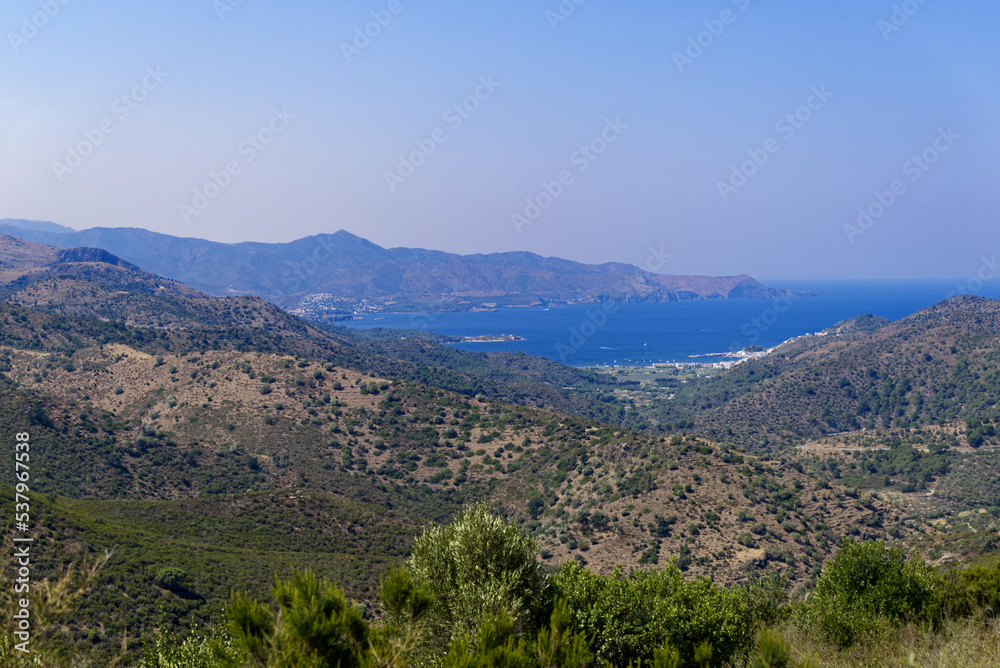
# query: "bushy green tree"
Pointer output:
{"type": "Point", "coordinates": [478, 566]}
{"type": "Point", "coordinates": [867, 589]}
{"type": "Point", "coordinates": [629, 616]}
{"type": "Point", "coordinates": [171, 578]}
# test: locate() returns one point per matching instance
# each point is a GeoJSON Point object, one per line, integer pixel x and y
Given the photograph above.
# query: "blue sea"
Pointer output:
{"type": "Point", "coordinates": [642, 334]}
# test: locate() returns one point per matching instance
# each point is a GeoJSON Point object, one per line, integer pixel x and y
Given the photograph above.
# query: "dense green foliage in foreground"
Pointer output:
{"type": "Point", "coordinates": [463, 602]}
{"type": "Point", "coordinates": [473, 594]}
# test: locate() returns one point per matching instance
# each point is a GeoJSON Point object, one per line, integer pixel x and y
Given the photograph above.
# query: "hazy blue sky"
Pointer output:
{"type": "Point", "coordinates": [676, 94]}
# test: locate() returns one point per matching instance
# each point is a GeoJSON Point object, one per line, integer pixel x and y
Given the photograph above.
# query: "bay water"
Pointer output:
{"type": "Point", "coordinates": [643, 334]}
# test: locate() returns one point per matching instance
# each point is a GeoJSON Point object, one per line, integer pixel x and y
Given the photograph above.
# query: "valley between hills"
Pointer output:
{"type": "Point", "coordinates": [226, 439]}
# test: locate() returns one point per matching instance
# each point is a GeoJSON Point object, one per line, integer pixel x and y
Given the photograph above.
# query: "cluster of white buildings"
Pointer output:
{"type": "Point", "coordinates": [740, 355]}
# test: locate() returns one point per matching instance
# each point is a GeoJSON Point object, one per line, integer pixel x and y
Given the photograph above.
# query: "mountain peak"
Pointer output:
{"type": "Point", "coordinates": [344, 271]}
{"type": "Point", "coordinates": [343, 236]}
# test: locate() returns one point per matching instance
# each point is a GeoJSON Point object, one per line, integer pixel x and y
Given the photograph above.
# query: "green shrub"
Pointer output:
{"type": "Point", "coordinates": [479, 566]}
{"type": "Point", "coordinates": [866, 590]}
{"type": "Point", "coordinates": [171, 578]}
{"type": "Point", "coordinates": [964, 593]}
{"type": "Point", "coordinates": [629, 616]}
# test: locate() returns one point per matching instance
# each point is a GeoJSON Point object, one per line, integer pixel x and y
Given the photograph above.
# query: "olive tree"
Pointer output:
{"type": "Point", "coordinates": [479, 566]}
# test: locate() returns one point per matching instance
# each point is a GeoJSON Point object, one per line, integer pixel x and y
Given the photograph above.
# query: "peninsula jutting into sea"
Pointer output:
{"type": "Point", "coordinates": [328, 276]}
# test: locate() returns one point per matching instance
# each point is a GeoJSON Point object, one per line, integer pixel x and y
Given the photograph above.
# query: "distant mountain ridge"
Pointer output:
{"type": "Point", "coordinates": [37, 225]}
{"type": "Point", "coordinates": [343, 272]}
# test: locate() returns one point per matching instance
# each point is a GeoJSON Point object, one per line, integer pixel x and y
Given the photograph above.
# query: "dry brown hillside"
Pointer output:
{"type": "Point", "coordinates": [214, 422]}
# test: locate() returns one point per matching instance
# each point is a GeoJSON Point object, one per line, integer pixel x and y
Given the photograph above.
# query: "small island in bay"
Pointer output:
{"type": "Point", "coordinates": [492, 338]}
